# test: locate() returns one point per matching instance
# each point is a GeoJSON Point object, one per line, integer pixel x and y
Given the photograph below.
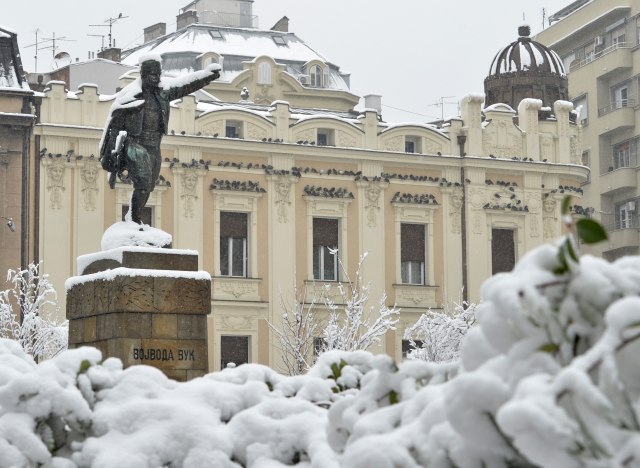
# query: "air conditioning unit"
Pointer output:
{"type": "Point", "coordinates": [599, 41]}
{"type": "Point", "coordinates": [304, 79]}
{"type": "Point", "coordinates": [631, 206]}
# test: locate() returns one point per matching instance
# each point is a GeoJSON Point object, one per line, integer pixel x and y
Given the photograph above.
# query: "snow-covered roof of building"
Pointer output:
{"type": "Point", "coordinates": [180, 50]}
{"type": "Point", "coordinates": [11, 72]}
{"type": "Point", "coordinates": [526, 55]}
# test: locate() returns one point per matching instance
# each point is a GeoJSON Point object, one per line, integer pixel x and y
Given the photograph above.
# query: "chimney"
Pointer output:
{"type": "Point", "coordinates": [112, 54]}
{"type": "Point", "coordinates": [155, 31]}
{"type": "Point", "coordinates": [373, 101]}
{"type": "Point", "coordinates": [282, 25]}
{"type": "Point", "coordinates": [186, 18]}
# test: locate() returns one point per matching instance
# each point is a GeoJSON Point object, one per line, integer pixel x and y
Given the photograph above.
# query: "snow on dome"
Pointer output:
{"type": "Point", "coordinates": [526, 55]}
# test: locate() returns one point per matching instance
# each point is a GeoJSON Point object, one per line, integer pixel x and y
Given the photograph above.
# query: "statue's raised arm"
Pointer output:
{"type": "Point", "coordinates": [138, 119]}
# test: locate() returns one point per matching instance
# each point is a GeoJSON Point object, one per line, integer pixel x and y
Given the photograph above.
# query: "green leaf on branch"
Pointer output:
{"type": "Point", "coordinates": [566, 205]}
{"type": "Point", "coordinates": [549, 348]}
{"type": "Point", "coordinates": [84, 366]}
{"type": "Point", "coordinates": [590, 231]}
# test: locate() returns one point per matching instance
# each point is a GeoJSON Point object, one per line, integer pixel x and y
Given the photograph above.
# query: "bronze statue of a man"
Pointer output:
{"type": "Point", "coordinates": [138, 119]}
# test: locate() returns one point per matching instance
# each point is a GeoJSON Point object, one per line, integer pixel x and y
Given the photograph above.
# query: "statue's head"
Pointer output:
{"type": "Point", "coordinates": [150, 70]}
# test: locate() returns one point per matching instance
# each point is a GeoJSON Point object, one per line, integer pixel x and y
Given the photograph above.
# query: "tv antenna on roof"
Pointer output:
{"type": "Point", "coordinates": [46, 40]}
{"type": "Point", "coordinates": [110, 22]}
{"type": "Point", "coordinates": [101, 36]}
{"type": "Point", "coordinates": [441, 103]}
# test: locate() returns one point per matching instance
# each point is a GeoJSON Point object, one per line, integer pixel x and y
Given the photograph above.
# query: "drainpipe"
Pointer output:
{"type": "Point", "coordinates": [462, 139]}
{"type": "Point", "coordinates": [37, 102]}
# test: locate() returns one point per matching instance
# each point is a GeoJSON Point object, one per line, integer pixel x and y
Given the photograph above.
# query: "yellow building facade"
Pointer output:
{"type": "Point", "coordinates": [269, 170]}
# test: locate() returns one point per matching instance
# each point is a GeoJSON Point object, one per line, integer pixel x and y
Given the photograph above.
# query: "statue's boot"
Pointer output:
{"type": "Point", "coordinates": [138, 200]}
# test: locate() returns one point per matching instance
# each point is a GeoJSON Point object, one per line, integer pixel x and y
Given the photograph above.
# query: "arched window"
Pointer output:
{"type": "Point", "coordinates": [264, 73]}
{"type": "Point", "coordinates": [316, 76]}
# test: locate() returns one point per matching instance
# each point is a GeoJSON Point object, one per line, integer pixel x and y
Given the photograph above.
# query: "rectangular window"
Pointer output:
{"type": "Point", "coordinates": [233, 244]}
{"type": "Point", "coordinates": [233, 129]}
{"type": "Point", "coordinates": [325, 137]}
{"type": "Point", "coordinates": [621, 97]}
{"type": "Point", "coordinates": [625, 215]}
{"type": "Point", "coordinates": [234, 349]}
{"type": "Point", "coordinates": [412, 253]}
{"type": "Point", "coordinates": [581, 104]}
{"type": "Point", "coordinates": [325, 240]}
{"type": "Point", "coordinates": [589, 52]}
{"type": "Point", "coordinates": [147, 214]}
{"type": "Point", "coordinates": [625, 154]}
{"type": "Point", "coordinates": [618, 37]}
{"type": "Point", "coordinates": [412, 144]}
{"type": "Point", "coordinates": [503, 250]}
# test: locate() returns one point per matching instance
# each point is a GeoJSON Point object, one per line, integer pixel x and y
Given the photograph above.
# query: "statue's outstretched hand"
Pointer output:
{"type": "Point", "coordinates": [214, 69]}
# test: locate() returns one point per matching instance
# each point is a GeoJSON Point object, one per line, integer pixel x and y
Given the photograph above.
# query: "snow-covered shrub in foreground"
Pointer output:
{"type": "Point", "coordinates": [548, 377]}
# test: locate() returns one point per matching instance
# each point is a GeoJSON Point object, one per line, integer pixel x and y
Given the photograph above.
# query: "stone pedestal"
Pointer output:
{"type": "Point", "coordinates": [143, 306]}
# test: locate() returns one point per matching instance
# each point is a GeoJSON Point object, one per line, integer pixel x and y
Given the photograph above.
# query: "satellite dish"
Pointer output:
{"type": "Point", "coordinates": [62, 59]}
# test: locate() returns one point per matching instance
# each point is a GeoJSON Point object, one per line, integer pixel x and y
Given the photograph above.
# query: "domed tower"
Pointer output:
{"type": "Point", "coordinates": [525, 69]}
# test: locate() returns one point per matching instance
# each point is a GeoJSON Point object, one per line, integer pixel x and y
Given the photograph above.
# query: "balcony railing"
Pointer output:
{"type": "Point", "coordinates": [575, 65]}
{"type": "Point", "coordinates": [616, 105]}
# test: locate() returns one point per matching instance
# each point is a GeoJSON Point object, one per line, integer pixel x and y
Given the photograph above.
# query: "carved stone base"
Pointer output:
{"type": "Point", "coordinates": [130, 306]}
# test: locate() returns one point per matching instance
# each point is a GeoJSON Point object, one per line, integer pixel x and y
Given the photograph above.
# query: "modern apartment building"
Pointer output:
{"type": "Point", "coordinates": [599, 43]}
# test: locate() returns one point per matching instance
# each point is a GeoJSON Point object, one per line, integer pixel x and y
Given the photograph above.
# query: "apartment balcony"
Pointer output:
{"type": "Point", "coordinates": [620, 115]}
{"type": "Point", "coordinates": [618, 179]}
{"type": "Point", "coordinates": [606, 61]}
{"type": "Point", "coordinates": [624, 238]}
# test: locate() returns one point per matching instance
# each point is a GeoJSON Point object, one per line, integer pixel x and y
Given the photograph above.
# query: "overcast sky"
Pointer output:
{"type": "Point", "coordinates": [412, 52]}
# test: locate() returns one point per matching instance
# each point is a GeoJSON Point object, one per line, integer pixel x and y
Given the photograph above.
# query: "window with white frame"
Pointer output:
{"type": "Point", "coordinates": [325, 247]}
{"type": "Point", "coordinates": [619, 37]}
{"type": "Point", "coordinates": [325, 137]}
{"type": "Point", "coordinates": [233, 244]}
{"type": "Point", "coordinates": [412, 253]}
{"type": "Point", "coordinates": [233, 129]}
{"type": "Point", "coordinates": [589, 52]}
{"type": "Point", "coordinates": [264, 73]}
{"type": "Point", "coordinates": [621, 96]}
{"type": "Point", "coordinates": [412, 144]}
{"type": "Point", "coordinates": [625, 154]}
{"type": "Point", "coordinates": [625, 214]}
{"type": "Point", "coordinates": [316, 74]}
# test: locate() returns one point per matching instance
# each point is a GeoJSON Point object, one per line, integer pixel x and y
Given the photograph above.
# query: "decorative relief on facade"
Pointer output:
{"type": "Point", "coordinates": [478, 199]}
{"type": "Point", "coordinates": [455, 209]}
{"type": "Point", "coordinates": [394, 144]}
{"type": "Point", "coordinates": [237, 289]}
{"type": "Point", "coordinates": [431, 147]}
{"type": "Point", "coordinates": [533, 202]}
{"type": "Point", "coordinates": [372, 204]}
{"type": "Point", "coordinates": [502, 139]}
{"type": "Point", "coordinates": [576, 156]}
{"type": "Point", "coordinates": [89, 180]}
{"type": "Point", "coordinates": [255, 132]}
{"type": "Point", "coordinates": [189, 194]}
{"type": "Point", "coordinates": [308, 136]}
{"type": "Point", "coordinates": [549, 219]}
{"type": "Point", "coordinates": [345, 140]}
{"type": "Point", "coordinates": [263, 96]}
{"type": "Point", "coordinates": [236, 323]}
{"type": "Point", "coordinates": [55, 183]}
{"type": "Point", "coordinates": [283, 198]}
{"type": "Point", "coordinates": [415, 296]}
{"type": "Point", "coordinates": [546, 148]}
{"type": "Point", "coordinates": [213, 128]}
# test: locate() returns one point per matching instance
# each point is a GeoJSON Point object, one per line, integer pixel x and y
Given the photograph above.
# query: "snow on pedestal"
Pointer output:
{"type": "Point", "coordinates": [128, 233]}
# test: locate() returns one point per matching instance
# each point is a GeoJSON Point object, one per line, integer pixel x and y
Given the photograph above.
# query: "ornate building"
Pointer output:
{"type": "Point", "coordinates": [271, 169]}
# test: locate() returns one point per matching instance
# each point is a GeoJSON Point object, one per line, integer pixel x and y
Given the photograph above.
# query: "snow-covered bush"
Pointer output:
{"type": "Point", "coordinates": [23, 313]}
{"type": "Point", "coordinates": [351, 325]}
{"type": "Point", "coordinates": [437, 336]}
{"type": "Point", "coordinates": [548, 377]}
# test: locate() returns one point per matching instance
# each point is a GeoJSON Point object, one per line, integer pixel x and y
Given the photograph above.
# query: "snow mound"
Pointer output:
{"type": "Point", "coordinates": [130, 234]}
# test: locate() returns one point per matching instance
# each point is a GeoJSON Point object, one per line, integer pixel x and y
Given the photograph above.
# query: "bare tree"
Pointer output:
{"type": "Point", "coordinates": [22, 313]}
{"type": "Point", "coordinates": [350, 327]}
{"type": "Point", "coordinates": [296, 332]}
